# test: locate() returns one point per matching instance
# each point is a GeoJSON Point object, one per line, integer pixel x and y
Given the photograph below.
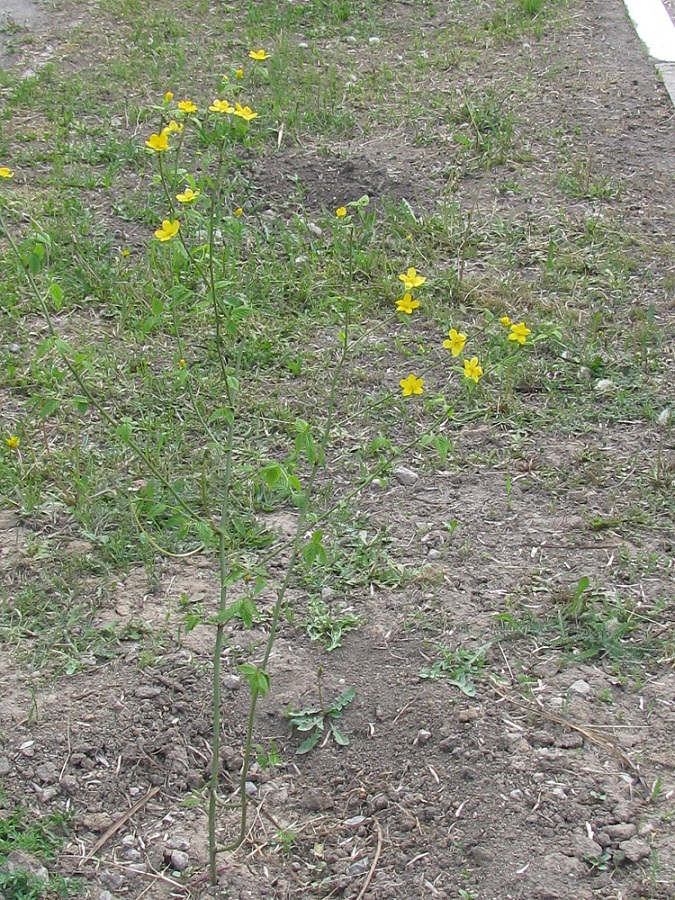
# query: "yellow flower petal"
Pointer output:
{"type": "Point", "coordinates": [519, 333]}
{"type": "Point", "coordinates": [411, 279]}
{"type": "Point", "coordinates": [456, 341]}
{"type": "Point", "coordinates": [221, 106]}
{"type": "Point", "coordinates": [5, 172]}
{"type": "Point", "coordinates": [244, 112]}
{"type": "Point", "coordinates": [259, 55]}
{"type": "Point", "coordinates": [472, 369]}
{"type": "Point", "coordinates": [412, 385]}
{"type": "Point", "coordinates": [158, 142]}
{"type": "Point", "coordinates": [168, 230]}
{"type": "Point", "coordinates": [188, 195]}
{"type": "Point", "coordinates": [406, 304]}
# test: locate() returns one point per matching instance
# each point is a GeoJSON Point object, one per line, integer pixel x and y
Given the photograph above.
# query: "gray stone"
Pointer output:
{"type": "Point", "coordinates": [360, 867]}
{"type": "Point", "coordinates": [179, 860]}
{"type": "Point", "coordinates": [147, 692]}
{"type": "Point", "coordinates": [105, 895]}
{"type": "Point", "coordinates": [423, 737]}
{"type": "Point", "coordinates": [405, 476]}
{"type": "Point", "coordinates": [583, 847]}
{"type": "Point", "coordinates": [580, 687]}
{"type": "Point", "coordinates": [178, 842]}
{"type": "Point", "coordinates": [231, 682]}
{"type": "Point", "coordinates": [47, 773]}
{"type": "Point", "coordinates": [622, 831]}
{"type": "Point", "coordinates": [18, 861]}
{"type": "Point", "coordinates": [5, 766]}
{"type": "Point", "coordinates": [635, 849]}
{"type": "Point", "coordinates": [251, 789]}
{"type": "Point", "coordinates": [112, 880]}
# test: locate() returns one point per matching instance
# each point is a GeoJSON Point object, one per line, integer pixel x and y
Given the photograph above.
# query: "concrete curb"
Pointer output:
{"type": "Point", "coordinates": [656, 30]}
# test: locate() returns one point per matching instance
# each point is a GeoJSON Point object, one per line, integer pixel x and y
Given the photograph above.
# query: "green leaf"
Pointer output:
{"type": "Point", "coordinates": [257, 678]}
{"type": "Point", "coordinates": [340, 737]}
{"type": "Point", "coordinates": [157, 306]}
{"type": "Point", "coordinates": [48, 408]}
{"type": "Point", "coordinates": [81, 404]}
{"type": "Point", "coordinates": [45, 347]}
{"type": "Point", "coordinates": [309, 743]}
{"type": "Point", "coordinates": [56, 294]}
{"type": "Point", "coordinates": [273, 473]}
{"type": "Point", "coordinates": [340, 702]}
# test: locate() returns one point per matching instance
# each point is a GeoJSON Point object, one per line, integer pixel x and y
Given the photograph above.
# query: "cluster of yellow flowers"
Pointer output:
{"type": "Point", "coordinates": [519, 332]}
{"type": "Point", "coordinates": [456, 340]}
{"type": "Point", "coordinates": [159, 142]}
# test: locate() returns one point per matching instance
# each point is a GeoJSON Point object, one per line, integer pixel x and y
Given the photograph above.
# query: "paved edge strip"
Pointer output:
{"type": "Point", "coordinates": [656, 30]}
{"type": "Point", "coordinates": [654, 27]}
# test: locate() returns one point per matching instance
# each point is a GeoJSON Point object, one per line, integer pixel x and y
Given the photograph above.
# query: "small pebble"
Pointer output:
{"type": "Point", "coordinates": [374, 41]}
{"type": "Point", "coordinates": [604, 386]}
{"type": "Point", "coordinates": [360, 867]}
{"type": "Point", "coordinates": [147, 692]}
{"type": "Point", "coordinates": [405, 475]}
{"type": "Point", "coordinates": [635, 849]}
{"type": "Point", "coordinates": [580, 687]}
{"type": "Point", "coordinates": [251, 789]}
{"type": "Point", "coordinates": [423, 737]}
{"type": "Point", "coordinates": [179, 860]}
{"type": "Point", "coordinates": [231, 682]}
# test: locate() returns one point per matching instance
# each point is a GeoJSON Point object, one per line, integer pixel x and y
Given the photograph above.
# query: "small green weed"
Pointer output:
{"type": "Point", "coordinates": [315, 719]}
{"type": "Point", "coordinates": [322, 624]}
{"type": "Point", "coordinates": [458, 667]}
{"type": "Point", "coordinates": [41, 839]}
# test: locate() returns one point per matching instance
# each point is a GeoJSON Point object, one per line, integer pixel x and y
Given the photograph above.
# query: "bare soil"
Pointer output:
{"type": "Point", "coordinates": [556, 779]}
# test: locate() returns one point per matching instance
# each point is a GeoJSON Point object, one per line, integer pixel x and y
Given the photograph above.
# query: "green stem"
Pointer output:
{"type": "Point", "coordinates": [220, 635]}
{"type": "Point", "coordinates": [281, 593]}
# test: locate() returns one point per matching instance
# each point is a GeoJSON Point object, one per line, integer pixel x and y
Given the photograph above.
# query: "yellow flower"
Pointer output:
{"type": "Point", "coordinates": [172, 127]}
{"type": "Point", "coordinates": [187, 106]}
{"type": "Point", "coordinates": [412, 385]}
{"type": "Point", "coordinates": [406, 304]}
{"type": "Point", "coordinates": [411, 280]}
{"type": "Point", "coordinates": [244, 112]}
{"type": "Point", "coordinates": [221, 106]}
{"type": "Point", "coordinates": [519, 333]}
{"type": "Point", "coordinates": [124, 252]}
{"type": "Point", "coordinates": [239, 212]}
{"type": "Point", "coordinates": [168, 230]}
{"type": "Point", "coordinates": [259, 55]}
{"type": "Point", "coordinates": [5, 172]}
{"type": "Point", "coordinates": [168, 97]}
{"type": "Point", "coordinates": [12, 441]}
{"type": "Point", "coordinates": [188, 195]}
{"type": "Point", "coordinates": [472, 369]}
{"type": "Point", "coordinates": [158, 142]}
{"type": "Point", "coordinates": [341, 212]}
{"type": "Point", "coordinates": [505, 321]}
{"type": "Point", "coordinates": [455, 342]}
{"type": "Point", "coordinates": [239, 73]}
{"type": "Point", "coordinates": [181, 363]}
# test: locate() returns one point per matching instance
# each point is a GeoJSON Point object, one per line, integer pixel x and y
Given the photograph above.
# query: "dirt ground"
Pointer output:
{"type": "Point", "coordinates": [556, 779]}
